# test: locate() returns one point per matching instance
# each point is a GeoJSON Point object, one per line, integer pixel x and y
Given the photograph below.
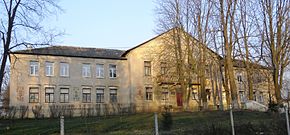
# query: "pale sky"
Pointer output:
{"type": "Point", "coordinates": [119, 24]}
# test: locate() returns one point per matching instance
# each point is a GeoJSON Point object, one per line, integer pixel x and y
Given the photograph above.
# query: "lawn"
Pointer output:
{"type": "Point", "coordinates": [199, 123]}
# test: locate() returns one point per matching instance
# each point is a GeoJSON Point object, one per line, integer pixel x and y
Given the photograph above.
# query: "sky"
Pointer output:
{"type": "Point", "coordinates": [118, 24]}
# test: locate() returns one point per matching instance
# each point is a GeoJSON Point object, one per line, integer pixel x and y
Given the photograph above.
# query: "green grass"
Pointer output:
{"type": "Point", "coordinates": [143, 124]}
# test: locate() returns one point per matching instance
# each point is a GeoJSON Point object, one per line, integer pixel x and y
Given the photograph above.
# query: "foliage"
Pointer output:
{"type": "Point", "coordinates": [166, 121]}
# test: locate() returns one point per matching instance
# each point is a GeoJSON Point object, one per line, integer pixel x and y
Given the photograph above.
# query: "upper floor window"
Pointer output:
{"type": "Point", "coordinates": [64, 95]}
{"type": "Point", "coordinates": [113, 71]}
{"type": "Point", "coordinates": [64, 69]}
{"type": "Point", "coordinates": [34, 68]}
{"type": "Point", "coordinates": [100, 71]}
{"type": "Point", "coordinates": [86, 95]}
{"type": "Point", "coordinates": [149, 93]}
{"type": "Point", "coordinates": [49, 95]}
{"type": "Point", "coordinates": [113, 95]}
{"type": "Point", "coordinates": [86, 70]}
{"type": "Point", "coordinates": [49, 68]}
{"type": "Point", "coordinates": [147, 68]}
{"type": "Point", "coordinates": [34, 95]}
{"type": "Point", "coordinates": [163, 68]}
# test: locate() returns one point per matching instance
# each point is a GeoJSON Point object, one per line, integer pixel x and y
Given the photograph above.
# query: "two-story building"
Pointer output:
{"type": "Point", "coordinates": [110, 80]}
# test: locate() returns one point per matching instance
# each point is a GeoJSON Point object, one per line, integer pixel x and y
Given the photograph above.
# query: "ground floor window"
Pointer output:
{"type": "Point", "coordinates": [86, 95]}
{"type": "Point", "coordinates": [149, 93]}
{"type": "Point", "coordinates": [64, 95]}
{"type": "Point", "coordinates": [49, 95]}
{"type": "Point", "coordinates": [113, 95]}
{"type": "Point", "coordinates": [100, 95]}
{"type": "Point", "coordinates": [194, 94]}
{"type": "Point", "coordinates": [165, 94]}
{"type": "Point", "coordinates": [242, 96]}
{"type": "Point", "coordinates": [33, 95]}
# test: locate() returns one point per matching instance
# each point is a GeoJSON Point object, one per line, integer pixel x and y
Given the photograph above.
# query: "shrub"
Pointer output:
{"type": "Point", "coordinates": [166, 120]}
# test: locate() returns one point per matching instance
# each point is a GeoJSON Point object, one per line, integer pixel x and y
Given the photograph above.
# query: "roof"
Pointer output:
{"type": "Point", "coordinates": [241, 64]}
{"type": "Point", "coordinates": [70, 51]}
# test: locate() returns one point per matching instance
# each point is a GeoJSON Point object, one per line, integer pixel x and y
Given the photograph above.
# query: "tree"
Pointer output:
{"type": "Point", "coordinates": [275, 36]}
{"type": "Point", "coordinates": [21, 25]}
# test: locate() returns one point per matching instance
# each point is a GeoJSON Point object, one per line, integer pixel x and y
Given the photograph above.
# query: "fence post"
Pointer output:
{"type": "Point", "coordinates": [156, 124]}
{"type": "Point", "coordinates": [232, 120]}
{"type": "Point", "coordinates": [61, 125]}
{"type": "Point", "coordinates": [287, 119]}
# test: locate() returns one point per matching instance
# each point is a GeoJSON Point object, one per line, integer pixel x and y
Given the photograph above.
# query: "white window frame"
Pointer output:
{"type": "Point", "coordinates": [86, 70]}
{"type": "Point", "coordinates": [149, 93]}
{"type": "Point", "coordinates": [64, 69]}
{"type": "Point", "coordinates": [49, 68]}
{"type": "Point", "coordinates": [147, 68]}
{"type": "Point", "coordinates": [100, 71]}
{"type": "Point", "coordinates": [34, 68]}
{"type": "Point", "coordinates": [112, 71]}
{"type": "Point", "coordinates": [64, 95]}
{"type": "Point", "coordinates": [113, 93]}
{"type": "Point", "coordinates": [49, 95]}
{"type": "Point", "coordinates": [100, 95]}
{"type": "Point", "coordinates": [34, 92]}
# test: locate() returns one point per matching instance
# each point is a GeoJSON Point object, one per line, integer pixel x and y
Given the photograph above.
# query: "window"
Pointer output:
{"type": "Point", "coordinates": [34, 68]}
{"type": "Point", "coordinates": [49, 68]}
{"type": "Point", "coordinates": [239, 78]}
{"type": "Point", "coordinates": [163, 68]}
{"type": "Point", "coordinates": [165, 94]}
{"type": "Point", "coordinates": [260, 97]}
{"type": "Point", "coordinates": [113, 71]}
{"type": "Point", "coordinates": [86, 95]}
{"type": "Point", "coordinates": [33, 95]}
{"type": "Point", "coordinates": [208, 93]}
{"type": "Point", "coordinates": [86, 70]}
{"type": "Point", "coordinates": [64, 69]}
{"type": "Point", "coordinates": [49, 95]}
{"type": "Point", "coordinates": [242, 96]}
{"type": "Point", "coordinates": [64, 97]}
{"type": "Point", "coordinates": [194, 94]}
{"type": "Point", "coordinates": [100, 95]}
{"type": "Point", "coordinates": [149, 93]}
{"type": "Point", "coordinates": [100, 71]}
{"type": "Point", "coordinates": [147, 68]}
{"type": "Point", "coordinates": [113, 95]}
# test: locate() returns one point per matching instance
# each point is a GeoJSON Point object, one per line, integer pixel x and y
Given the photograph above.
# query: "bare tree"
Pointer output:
{"type": "Point", "coordinates": [275, 35]}
{"type": "Point", "coordinates": [21, 25]}
{"type": "Point", "coordinates": [226, 13]}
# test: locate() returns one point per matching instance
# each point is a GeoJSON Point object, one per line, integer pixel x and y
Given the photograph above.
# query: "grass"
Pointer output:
{"type": "Point", "coordinates": [199, 123]}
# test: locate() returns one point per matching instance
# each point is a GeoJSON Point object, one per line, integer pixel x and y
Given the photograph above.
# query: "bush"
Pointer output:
{"type": "Point", "coordinates": [274, 107]}
{"type": "Point", "coordinates": [166, 121]}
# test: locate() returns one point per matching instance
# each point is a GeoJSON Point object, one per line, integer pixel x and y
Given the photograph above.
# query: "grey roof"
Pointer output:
{"type": "Point", "coordinates": [75, 52]}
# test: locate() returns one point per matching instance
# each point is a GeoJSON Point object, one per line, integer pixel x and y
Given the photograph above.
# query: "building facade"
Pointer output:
{"type": "Point", "coordinates": [112, 81]}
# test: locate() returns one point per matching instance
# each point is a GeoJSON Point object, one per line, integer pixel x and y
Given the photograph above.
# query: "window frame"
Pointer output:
{"type": "Point", "coordinates": [149, 93]}
{"type": "Point", "coordinates": [33, 68]}
{"type": "Point", "coordinates": [51, 68]}
{"type": "Point", "coordinates": [64, 95]}
{"type": "Point", "coordinates": [49, 96]}
{"type": "Point", "coordinates": [112, 71]}
{"type": "Point", "coordinates": [34, 93]}
{"type": "Point", "coordinates": [87, 95]}
{"type": "Point", "coordinates": [100, 72]}
{"type": "Point", "coordinates": [86, 70]}
{"type": "Point", "coordinates": [113, 95]}
{"type": "Point", "coordinates": [147, 68]}
{"type": "Point", "coordinates": [64, 67]}
{"type": "Point", "coordinates": [100, 96]}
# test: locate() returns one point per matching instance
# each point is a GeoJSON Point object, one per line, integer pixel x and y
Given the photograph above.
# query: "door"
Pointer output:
{"type": "Point", "coordinates": [179, 99]}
